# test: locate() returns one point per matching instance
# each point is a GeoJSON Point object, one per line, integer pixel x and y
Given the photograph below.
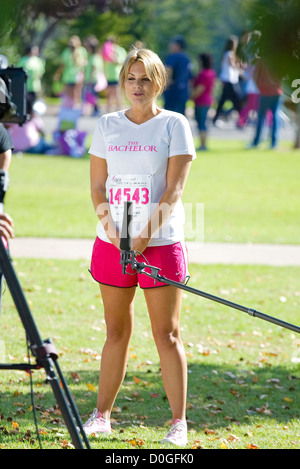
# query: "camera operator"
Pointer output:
{"type": "Point", "coordinates": [6, 147]}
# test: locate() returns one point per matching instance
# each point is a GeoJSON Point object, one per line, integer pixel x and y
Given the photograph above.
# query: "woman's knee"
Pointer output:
{"type": "Point", "coordinates": [118, 332]}
{"type": "Point", "coordinates": [166, 338]}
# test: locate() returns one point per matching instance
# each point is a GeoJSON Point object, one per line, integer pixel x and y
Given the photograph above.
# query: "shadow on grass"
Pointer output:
{"type": "Point", "coordinates": [217, 396]}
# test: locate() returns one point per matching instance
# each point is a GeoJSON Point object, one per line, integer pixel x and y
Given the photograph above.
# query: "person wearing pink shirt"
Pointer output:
{"type": "Point", "coordinates": [29, 137]}
{"type": "Point", "coordinates": [203, 95]}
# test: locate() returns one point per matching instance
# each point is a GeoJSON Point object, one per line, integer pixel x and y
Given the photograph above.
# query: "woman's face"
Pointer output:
{"type": "Point", "coordinates": [139, 88]}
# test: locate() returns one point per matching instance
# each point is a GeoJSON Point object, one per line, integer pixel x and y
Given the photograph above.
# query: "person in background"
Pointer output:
{"type": "Point", "coordinates": [270, 89]}
{"type": "Point", "coordinates": [178, 66]}
{"type": "Point", "coordinates": [35, 68]}
{"type": "Point", "coordinates": [93, 69]}
{"type": "Point", "coordinates": [247, 53]}
{"type": "Point", "coordinates": [229, 76]}
{"type": "Point", "coordinates": [29, 137]}
{"type": "Point", "coordinates": [202, 94]}
{"type": "Point", "coordinates": [71, 72]}
{"type": "Point", "coordinates": [113, 56]}
{"type": "Point", "coordinates": [252, 94]}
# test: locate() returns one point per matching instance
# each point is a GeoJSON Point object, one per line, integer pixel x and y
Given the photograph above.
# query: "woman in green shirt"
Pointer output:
{"type": "Point", "coordinates": [71, 71]}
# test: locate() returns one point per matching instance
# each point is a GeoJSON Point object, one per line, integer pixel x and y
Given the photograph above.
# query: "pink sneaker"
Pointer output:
{"type": "Point", "coordinates": [177, 435]}
{"type": "Point", "coordinates": [96, 424]}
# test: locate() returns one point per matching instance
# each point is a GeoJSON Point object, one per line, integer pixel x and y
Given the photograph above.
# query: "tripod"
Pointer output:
{"type": "Point", "coordinates": [44, 352]}
{"type": "Point", "coordinates": [128, 257]}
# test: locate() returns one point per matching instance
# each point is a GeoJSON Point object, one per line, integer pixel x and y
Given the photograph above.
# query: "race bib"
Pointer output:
{"type": "Point", "coordinates": [135, 188]}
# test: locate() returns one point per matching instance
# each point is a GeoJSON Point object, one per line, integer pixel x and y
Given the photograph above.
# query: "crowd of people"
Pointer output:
{"type": "Point", "coordinates": [88, 68]}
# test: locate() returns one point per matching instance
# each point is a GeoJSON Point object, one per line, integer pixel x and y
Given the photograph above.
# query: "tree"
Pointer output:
{"type": "Point", "coordinates": [34, 21]}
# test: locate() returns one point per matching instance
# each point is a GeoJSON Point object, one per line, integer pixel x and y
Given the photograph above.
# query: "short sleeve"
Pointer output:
{"type": "Point", "coordinates": [98, 147]}
{"type": "Point", "coordinates": [5, 140]}
{"type": "Point", "coordinates": [181, 141]}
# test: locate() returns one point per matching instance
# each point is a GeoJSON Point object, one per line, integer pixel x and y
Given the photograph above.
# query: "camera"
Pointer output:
{"type": "Point", "coordinates": [13, 95]}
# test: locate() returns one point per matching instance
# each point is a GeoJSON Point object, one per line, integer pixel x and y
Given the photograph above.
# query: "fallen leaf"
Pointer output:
{"type": "Point", "coordinates": [66, 444]}
{"type": "Point", "coordinates": [223, 445]}
{"type": "Point", "coordinates": [116, 409]}
{"type": "Point", "coordinates": [207, 431]}
{"type": "Point", "coordinates": [91, 387]}
{"type": "Point", "coordinates": [136, 442]}
{"type": "Point", "coordinates": [75, 376]}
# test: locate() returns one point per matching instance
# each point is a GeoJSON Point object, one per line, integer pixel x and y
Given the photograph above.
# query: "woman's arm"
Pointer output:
{"type": "Point", "coordinates": [197, 91]}
{"type": "Point", "coordinates": [177, 173]}
{"type": "Point", "coordinates": [98, 176]}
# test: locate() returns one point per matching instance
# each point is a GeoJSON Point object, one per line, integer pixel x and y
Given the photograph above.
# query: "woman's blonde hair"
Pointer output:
{"type": "Point", "coordinates": [155, 69]}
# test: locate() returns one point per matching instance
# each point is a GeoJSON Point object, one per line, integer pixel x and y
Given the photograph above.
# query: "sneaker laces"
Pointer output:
{"type": "Point", "coordinates": [177, 428]}
{"type": "Point", "coordinates": [93, 418]}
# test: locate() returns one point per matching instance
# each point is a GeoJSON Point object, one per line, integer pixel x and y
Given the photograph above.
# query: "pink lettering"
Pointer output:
{"type": "Point", "coordinates": [132, 148]}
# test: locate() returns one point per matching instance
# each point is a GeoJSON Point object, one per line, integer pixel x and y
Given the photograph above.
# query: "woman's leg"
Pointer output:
{"type": "Point", "coordinates": [223, 98]}
{"type": "Point", "coordinates": [118, 308]}
{"type": "Point", "coordinates": [262, 111]}
{"type": "Point", "coordinates": [274, 106]}
{"type": "Point", "coordinates": [164, 305]}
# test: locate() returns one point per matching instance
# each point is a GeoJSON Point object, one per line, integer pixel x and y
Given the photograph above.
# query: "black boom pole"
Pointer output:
{"type": "Point", "coordinates": [129, 257]}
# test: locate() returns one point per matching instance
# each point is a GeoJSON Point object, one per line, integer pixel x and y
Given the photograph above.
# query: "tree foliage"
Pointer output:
{"type": "Point", "coordinates": [205, 25]}
{"type": "Point", "coordinates": [279, 43]}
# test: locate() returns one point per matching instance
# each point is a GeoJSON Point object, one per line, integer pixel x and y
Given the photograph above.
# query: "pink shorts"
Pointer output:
{"type": "Point", "coordinates": [106, 267]}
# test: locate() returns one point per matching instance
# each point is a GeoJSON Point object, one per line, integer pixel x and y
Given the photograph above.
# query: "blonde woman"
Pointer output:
{"type": "Point", "coordinates": [141, 154]}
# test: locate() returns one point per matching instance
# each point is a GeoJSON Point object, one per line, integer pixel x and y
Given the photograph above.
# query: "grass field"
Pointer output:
{"type": "Point", "coordinates": [248, 196]}
{"type": "Point", "coordinates": [243, 372]}
{"type": "Point", "coordinates": [244, 380]}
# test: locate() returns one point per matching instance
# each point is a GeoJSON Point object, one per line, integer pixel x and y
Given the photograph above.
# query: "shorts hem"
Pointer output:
{"type": "Point", "coordinates": [129, 286]}
{"type": "Point", "coordinates": [154, 286]}
{"type": "Point", "coordinates": [112, 285]}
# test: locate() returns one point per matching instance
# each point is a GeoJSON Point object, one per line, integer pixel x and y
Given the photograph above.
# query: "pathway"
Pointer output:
{"type": "Point", "coordinates": [201, 253]}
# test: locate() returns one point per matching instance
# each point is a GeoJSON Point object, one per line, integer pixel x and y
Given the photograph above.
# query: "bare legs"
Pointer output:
{"type": "Point", "coordinates": [118, 309]}
{"type": "Point", "coordinates": [164, 305]}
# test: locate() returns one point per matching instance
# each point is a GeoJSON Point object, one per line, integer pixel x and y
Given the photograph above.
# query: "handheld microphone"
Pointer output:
{"type": "Point", "coordinates": [125, 243]}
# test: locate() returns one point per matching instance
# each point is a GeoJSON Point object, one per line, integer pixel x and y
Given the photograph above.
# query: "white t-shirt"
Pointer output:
{"type": "Point", "coordinates": [228, 73]}
{"type": "Point", "coordinates": [137, 160]}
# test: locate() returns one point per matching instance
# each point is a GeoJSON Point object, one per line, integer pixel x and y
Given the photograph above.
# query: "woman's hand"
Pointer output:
{"type": "Point", "coordinates": [139, 243]}
{"type": "Point", "coordinates": [6, 226]}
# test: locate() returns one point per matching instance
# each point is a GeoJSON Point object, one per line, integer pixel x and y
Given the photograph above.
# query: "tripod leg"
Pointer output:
{"type": "Point", "coordinates": [40, 350]}
{"type": "Point", "coordinates": [71, 403]}
{"type": "Point", "coordinates": [49, 366]}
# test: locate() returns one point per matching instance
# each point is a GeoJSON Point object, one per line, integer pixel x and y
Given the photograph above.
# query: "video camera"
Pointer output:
{"type": "Point", "coordinates": [13, 95]}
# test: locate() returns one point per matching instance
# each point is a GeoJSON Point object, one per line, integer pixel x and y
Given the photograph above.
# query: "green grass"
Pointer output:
{"type": "Point", "coordinates": [248, 196]}
{"type": "Point", "coordinates": [243, 372]}
{"type": "Point", "coordinates": [244, 381]}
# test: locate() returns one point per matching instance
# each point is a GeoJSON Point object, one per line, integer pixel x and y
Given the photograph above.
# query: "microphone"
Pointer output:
{"type": "Point", "coordinates": [125, 243]}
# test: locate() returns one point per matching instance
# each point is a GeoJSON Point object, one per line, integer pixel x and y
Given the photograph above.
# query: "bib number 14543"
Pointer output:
{"type": "Point", "coordinates": [139, 195]}
{"type": "Point", "coordinates": [134, 188]}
